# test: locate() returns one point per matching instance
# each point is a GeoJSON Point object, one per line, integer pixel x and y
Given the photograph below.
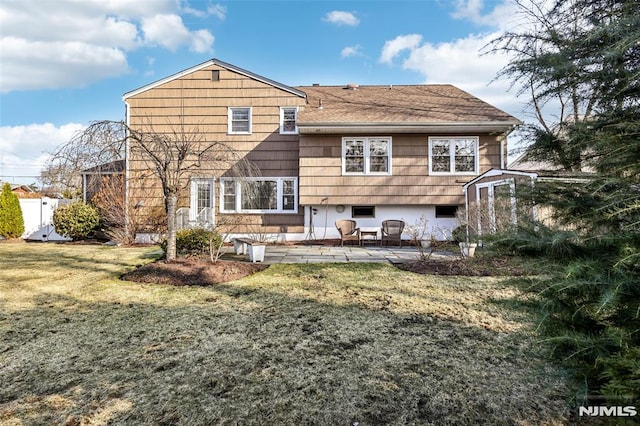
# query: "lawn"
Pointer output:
{"type": "Point", "coordinates": [323, 344]}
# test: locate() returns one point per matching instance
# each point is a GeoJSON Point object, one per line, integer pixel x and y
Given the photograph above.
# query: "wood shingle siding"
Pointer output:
{"type": "Point", "coordinates": [410, 183]}
{"type": "Point", "coordinates": [198, 106]}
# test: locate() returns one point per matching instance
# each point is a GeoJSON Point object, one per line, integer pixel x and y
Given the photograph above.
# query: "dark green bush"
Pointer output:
{"type": "Point", "coordinates": [11, 220]}
{"type": "Point", "coordinates": [194, 242]}
{"type": "Point", "coordinates": [77, 220]}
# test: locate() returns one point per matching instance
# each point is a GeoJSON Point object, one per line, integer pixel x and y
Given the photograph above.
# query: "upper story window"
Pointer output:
{"type": "Point", "coordinates": [366, 156]}
{"type": "Point", "coordinates": [259, 195]}
{"type": "Point", "coordinates": [239, 120]}
{"type": "Point", "coordinates": [288, 118]}
{"type": "Point", "coordinates": [453, 155]}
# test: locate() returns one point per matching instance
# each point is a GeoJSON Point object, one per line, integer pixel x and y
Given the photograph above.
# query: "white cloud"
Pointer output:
{"type": "Point", "coordinates": [342, 18]}
{"type": "Point", "coordinates": [459, 62]}
{"type": "Point", "coordinates": [73, 44]}
{"type": "Point", "coordinates": [393, 48]}
{"type": "Point", "coordinates": [25, 149]}
{"type": "Point", "coordinates": [217, 10]}
{"type": "Point", "coordinates": [350, 51]}
{"type": "Point", "coordinates": [165, 30]}
{"type": "Point", "coordinates": [503, 16]}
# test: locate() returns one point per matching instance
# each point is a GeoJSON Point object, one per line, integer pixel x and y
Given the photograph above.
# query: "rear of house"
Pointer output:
{"type": "Point", "coordinates": [322, 153]}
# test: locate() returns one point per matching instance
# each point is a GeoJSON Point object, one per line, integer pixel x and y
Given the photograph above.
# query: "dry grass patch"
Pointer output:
{"type": "Point", "coordinates": [295, 344]}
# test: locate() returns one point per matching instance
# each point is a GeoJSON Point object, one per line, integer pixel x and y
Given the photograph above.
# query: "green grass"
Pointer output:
{"type": "Point", "coordinates": [295, 344]}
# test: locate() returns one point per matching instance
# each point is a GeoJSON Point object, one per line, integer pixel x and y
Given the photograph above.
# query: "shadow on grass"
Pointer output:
{"type": "Point", "coordinates": [26, 259]}
{"type": "Point", "coordinates": [287, 346]}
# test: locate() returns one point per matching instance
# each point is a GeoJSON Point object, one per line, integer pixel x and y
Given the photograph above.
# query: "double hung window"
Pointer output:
{"type": "Point", "coordinates": [453, 155]}
{"type": "Point", "coordinates": [288, 117]}
{"type": "Point", "coordinates": [239, 120]}
{"type": "Point", "coordinates": [259, 195]}
{"type": "Point", "coordinates": [366, 156]}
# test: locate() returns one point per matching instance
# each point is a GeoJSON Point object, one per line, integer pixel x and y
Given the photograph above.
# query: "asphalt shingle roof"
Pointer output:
{"type": "Point", "coordinates": [432, 103]}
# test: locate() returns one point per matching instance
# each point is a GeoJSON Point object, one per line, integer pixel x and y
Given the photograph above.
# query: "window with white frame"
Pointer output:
{"type": "Point", "coordinates": [259, 195]}
{"type": "Point", "coordinates": [453, 155]}
{"type": "Point", "coordinates": [239, 120]}
{"type": "Point", "coordinates": [366, 156]}
{"type": "Point", "coordinates": [288, 117]}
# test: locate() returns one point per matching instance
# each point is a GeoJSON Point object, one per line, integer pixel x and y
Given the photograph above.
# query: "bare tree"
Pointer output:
{"type": "Point", "coordinates": [170, 157]}
{"type": "Point", "coordinates": [101, 142]}
{"type": "Point", "coordinates": [175, 156]}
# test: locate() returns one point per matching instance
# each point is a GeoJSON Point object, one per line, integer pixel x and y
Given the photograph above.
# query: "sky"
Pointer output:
{"type": "Point", "coordinates": [66, 63]}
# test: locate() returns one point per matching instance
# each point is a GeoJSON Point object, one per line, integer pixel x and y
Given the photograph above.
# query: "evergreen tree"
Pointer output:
{"type": "Point", "coordinates": [586, 54]}
{"type": "Point", "coordinates": [11, 220]}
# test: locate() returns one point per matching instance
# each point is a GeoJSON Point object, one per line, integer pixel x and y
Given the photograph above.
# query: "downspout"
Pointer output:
{"type": "Point", "coordinates": [84, 187]}
{"type": "Point", "coordinates": [466, 211]}
{"type": "Point", "coordinates": [127, 154]}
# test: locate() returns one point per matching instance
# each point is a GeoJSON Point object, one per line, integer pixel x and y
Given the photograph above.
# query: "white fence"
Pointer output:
{"type": "Point", "coordinates": [38, 218]}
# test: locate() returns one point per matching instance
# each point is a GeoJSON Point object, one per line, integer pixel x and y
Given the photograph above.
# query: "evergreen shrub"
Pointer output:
{"type": "Point", "coordinates": [11, 220]}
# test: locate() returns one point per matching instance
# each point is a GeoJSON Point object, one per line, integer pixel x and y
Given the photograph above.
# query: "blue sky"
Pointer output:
{"type": "Point", "coordinates": [64, 64]}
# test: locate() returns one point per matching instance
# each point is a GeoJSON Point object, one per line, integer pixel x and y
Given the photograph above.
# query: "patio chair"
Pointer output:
{"type": "Point", "coordinates": [349, 231]}
{"type": "Point", "coordinates": [392, 231]}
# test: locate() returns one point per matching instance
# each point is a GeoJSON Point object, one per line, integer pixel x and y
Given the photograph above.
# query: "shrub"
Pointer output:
{"type": "Point", "coordinates": [77, 220]}
{"type": "Point", "coordinates": [459, 234]}
{"type": "Point", "coordinates": [11, 220]}
{"type": "Point", "coordinates": [194, 242]}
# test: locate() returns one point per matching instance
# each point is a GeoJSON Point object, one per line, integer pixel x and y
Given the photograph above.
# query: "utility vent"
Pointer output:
{"type": "Point", "coordinates": [352, 86]}
{"type": "Point", "coordinates": [215, 75]}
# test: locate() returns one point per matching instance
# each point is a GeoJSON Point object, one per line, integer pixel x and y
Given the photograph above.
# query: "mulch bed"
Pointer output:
{"type": "Point", "coordinates": [472, 267]}
{"type": "Point", "coordinates": [193, 272]}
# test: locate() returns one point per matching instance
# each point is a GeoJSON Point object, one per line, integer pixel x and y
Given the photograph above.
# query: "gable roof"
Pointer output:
{"type": "Point", "coordinates": [221, 64]}
{"type": "Point", "coordinates": [403, 108]}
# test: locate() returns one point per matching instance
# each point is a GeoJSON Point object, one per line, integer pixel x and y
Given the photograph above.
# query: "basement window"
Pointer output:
{"type": "Point", "coordinates": [363, 211]}
{"type": "Point", "coordinates": [446, 212]}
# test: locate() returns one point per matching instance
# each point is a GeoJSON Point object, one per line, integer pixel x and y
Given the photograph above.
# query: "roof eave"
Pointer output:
{"type": "Point", "coordinates": [332, 127]}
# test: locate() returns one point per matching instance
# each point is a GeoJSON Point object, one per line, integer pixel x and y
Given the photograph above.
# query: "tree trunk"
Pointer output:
{"type": "Point", "coordinates": [172, 201]}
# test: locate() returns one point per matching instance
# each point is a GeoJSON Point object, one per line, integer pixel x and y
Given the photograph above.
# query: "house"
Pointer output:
{"type": "Point", "coordinates": [323, 152]}
{"type": "Point", "coordinates": [21, 191]}
{"type": "Point", "coordinates": [94, 178]}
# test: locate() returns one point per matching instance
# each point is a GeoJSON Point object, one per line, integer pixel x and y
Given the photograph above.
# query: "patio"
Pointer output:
{"type": "Point", "coordinates": [275, 254]}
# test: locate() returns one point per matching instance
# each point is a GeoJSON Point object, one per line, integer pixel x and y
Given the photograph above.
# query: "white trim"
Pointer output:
{"type": "Point", "coordinates": [315, 128]}
{"type": "Point", "coordinates": [366, 152]}
{"type": "Point", "coordinates": [237, 182]}
{"type": "Point", "coordinates": [452, 154]}
{"type": "Point", "coordinates": [498, 172]}
{"type": "Point", "coordinates": [230, 120]}
{"type": "Point", "coordinates": [491, 186]}
{"type": "Point", "coordinates": [282, 110]}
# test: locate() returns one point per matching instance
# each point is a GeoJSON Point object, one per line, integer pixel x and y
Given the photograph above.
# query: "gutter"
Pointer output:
{"type": "Point", "coordinates": [335, 127]}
